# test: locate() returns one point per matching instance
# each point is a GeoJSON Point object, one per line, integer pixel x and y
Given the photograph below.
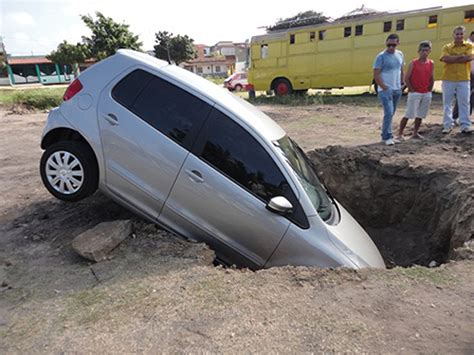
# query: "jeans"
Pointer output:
{"type": "Point", "coordinates": [389, 99]}
{"type": "Point", "coordinates": [462, 90]}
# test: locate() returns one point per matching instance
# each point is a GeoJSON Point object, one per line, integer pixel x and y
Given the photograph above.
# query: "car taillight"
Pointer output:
{"type": "Point", "coordinates": [72, 90]}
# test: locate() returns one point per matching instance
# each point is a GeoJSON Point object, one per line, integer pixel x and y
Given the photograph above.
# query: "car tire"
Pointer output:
{"type": "Point", "coordinates": [69, 170]}
{"type": "Point", "coordinates": [238, 88]}
{"type": "Point", "coordinates": [282, 87]}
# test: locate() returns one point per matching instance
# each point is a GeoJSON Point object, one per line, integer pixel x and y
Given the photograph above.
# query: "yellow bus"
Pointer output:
{"type": "Point", "coordinates": [341, 53]}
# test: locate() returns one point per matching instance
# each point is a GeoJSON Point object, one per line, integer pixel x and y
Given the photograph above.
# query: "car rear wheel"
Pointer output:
{"type": "Point", "coordinates": [282, 87]}
{"type": "Point", "coordinates": [69, 170]}
{"type": "Point", "coordinates": [238, 87]}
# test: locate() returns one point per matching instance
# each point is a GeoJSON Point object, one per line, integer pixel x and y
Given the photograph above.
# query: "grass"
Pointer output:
{"type": "Point", "coordinates": [218, 80]}
{"type": "Point", "coordinates": [318, 98]}
{"type": "Point", "coordinates": [438, 276]}
{"type": "Point", "coordinates": [37, 98]}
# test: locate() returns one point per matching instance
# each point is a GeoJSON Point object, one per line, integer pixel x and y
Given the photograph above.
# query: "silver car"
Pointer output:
{"type": "Point", "coordinates": [199, 161]}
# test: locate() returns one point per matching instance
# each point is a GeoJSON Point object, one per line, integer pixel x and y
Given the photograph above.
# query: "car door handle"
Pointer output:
{"type": "Point", "coordinates": [111, 118]}
{"type": "Point", "coordinates": [195, 175]}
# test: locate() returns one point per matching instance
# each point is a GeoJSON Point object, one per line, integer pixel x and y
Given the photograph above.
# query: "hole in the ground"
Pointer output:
{"type": "Point", "coordinates": [414, 215]}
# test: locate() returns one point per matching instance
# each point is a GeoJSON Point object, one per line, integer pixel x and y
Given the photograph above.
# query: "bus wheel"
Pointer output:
{"type": "Point", "coordinates": [282, 87]}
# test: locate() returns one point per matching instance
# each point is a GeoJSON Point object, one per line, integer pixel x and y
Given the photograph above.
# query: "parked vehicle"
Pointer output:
{"type": "Point", "coordinates": [341, 53]}
{"type": "Point", "coordinates": [199, 161]}
{"type": "Point", "coordinates": [236, 82]}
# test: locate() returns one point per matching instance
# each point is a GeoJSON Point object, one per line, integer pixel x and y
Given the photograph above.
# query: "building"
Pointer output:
{"type": "Point", "coordinates": [221, 59]}
{"type": "Point", "coordinates": [39, 69]}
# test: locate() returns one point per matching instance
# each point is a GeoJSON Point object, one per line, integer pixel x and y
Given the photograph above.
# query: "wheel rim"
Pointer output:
{"type": "Point", "coordinates": [64, 172]}
{"type": "Point", "coordinates": [282, 89]}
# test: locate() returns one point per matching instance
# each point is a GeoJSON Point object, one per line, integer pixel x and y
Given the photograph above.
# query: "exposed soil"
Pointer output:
{"type": "Point", "coordinates": [157, 293]}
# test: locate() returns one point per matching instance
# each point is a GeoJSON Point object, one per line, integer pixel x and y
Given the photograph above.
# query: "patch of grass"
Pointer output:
{"type": "Point", "coordinates": [40, 99]}
{"type": "Point", "coordinates": [365, 99]}
{"type": "Point", "coordinates": [289, 100]}
{"type": "Point", "coordinates": [438, 276]}
{"type": "Point", "coordinates": [218, 80]}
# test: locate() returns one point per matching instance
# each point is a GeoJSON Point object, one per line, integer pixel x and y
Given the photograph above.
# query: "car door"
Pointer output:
{"type": "Point", "coordinates": [147, 124]}
{"type": "Point", "coordinates": [221, 194]}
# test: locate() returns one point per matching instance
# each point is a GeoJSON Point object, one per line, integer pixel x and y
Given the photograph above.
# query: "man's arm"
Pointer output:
{"type": "Point", "coordinates": [408, 77]}
{"type": "Point", "coordinates": [452, 59]}
{"type": "Point", "coordinates": [432, 76]}
{"type": "Point", "coordinates": [378, 78]}
{"type": "Point", "coordinates": [402, 77]}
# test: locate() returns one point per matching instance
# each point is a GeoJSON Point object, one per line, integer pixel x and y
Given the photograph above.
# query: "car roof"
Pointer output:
{"type": "Point", "coordinates": [240, 108]}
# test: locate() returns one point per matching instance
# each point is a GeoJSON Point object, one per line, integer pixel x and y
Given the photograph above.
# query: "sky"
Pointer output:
{"type": "Point", "coordinates": [36, 27]}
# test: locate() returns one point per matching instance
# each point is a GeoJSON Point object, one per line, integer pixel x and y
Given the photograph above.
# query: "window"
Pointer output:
{"type": "Point", "coordinates": [387, 26]}
{"type": "Point", "coordinates": [169, 109]}
{"type": "Point", "coordinates": [359, 30]}
{"type": "Point", "coordinates": [47, 69]}
{"type": "Point", "coordinates": [469, 16]}
{"type": "Point", "coordinates": [264, 51]}
{"type": "Point", "coordinates": [322, 34]}
{"type": "Point", "coordinates": [400, 25]}
{"type": "Point", "coordinates": [301, 165]}
{"type": "Point", "coordinates": [347, 31]}
{"type": "Point", "coordinates": [230, 149]}
{"type": "Point", "coordinates": [432, 21]}
{"type": "Point", "coordinates": [292, 39]}
{"type": "Point", "coordinates": [199, 70]}
{"type": "Point", "coordinates": [218, 69]}
{"type": "Point", "coordinates": [127, 90]}
{"type": "Point", "coordinates": [312, 36]}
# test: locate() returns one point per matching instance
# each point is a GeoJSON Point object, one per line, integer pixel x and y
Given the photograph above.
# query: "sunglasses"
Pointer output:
{"type": "Point", "coordinates": [391, 45]}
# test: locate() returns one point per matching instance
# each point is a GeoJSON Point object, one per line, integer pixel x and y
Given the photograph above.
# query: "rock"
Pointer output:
{"type": "Point", "coordinates": [36, 238]}
{"type": "Point", "coordinates": [432, 264]}
{"type": "Point", "coordinates": [95, 243]}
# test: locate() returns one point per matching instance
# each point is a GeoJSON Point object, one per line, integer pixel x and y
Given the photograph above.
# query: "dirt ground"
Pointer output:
{"type": "Point", "coordinates": [157, 293]}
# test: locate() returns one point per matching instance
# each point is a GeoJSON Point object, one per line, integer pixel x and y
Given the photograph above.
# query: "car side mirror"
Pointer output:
{"type": "Point", "coordinates": [280, 205]}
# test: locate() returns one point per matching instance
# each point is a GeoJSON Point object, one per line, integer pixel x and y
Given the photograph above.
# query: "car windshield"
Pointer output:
{"type": "Point", "coordinates": [313, 187]}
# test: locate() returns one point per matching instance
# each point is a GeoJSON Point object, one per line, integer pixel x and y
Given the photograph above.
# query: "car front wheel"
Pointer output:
{"type": "Point", "coordinates": [69, 170]}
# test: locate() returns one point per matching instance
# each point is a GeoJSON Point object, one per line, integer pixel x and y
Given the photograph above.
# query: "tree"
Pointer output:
{"type": "Point", "coordinates": [301, 19]}
{"type": "Point", "coordinates": [69, 54]}
{"type": "Point", "coordinates": [108, 36]}
{"type": "Point", "coordinates": [174, 48]}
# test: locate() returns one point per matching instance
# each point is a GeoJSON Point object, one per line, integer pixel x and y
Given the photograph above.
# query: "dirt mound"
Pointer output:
{"type": "Point", "coordinates": [415, 203]}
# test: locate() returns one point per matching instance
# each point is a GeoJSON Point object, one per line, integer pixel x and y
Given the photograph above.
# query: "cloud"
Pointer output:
{"type": "Point", "coordinates": [22, 18]}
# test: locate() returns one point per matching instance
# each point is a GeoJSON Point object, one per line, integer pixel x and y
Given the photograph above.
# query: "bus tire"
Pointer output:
{"type": "Point", "coordinates": [282, 87]}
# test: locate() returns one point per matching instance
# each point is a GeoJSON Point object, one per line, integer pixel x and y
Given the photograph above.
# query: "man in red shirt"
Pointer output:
{"type": "Point", "coordinates": [419, 80]}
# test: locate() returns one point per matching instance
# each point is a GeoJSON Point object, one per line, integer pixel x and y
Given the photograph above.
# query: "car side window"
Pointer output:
{"type": "Point", "coordinates": [166, 107]}
{"type": "Point", "coordinates": [232, 150]}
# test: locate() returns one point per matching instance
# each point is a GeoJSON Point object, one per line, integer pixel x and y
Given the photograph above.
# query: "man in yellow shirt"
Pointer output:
{"type": "Point", "coordinates": [457, 57]}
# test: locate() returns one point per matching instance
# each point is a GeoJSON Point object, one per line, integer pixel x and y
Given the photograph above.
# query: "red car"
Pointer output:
{"type": "Point", "coordinates": [236, 82]}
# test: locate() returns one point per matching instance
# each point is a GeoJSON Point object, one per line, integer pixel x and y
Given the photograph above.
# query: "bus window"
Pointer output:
{"type": "Point", "coordinates": [264, 51]}
{"type": "Point", "coordinates": [347, 31]}
{"type": "Point", "coordinates": [359, 30]}
{"type": "Point", "coordinates": [400, 25]}
{"type": "Point", "coordinates": [432, 21]}
{"type": "Point", "coordinates": [387, 26]}
{"type": "Point", "coordinates": [322, 34]}
{"type": "Point", "coordinates": [312, 36]}
{"type": "Point", "coordinates": [292, 39]}
{"type": "Point", "coordinates": [469, 16]}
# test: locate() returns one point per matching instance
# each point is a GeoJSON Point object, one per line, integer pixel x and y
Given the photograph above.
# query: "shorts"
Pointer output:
{"type": "Point", "coordinates": [418, 104]}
